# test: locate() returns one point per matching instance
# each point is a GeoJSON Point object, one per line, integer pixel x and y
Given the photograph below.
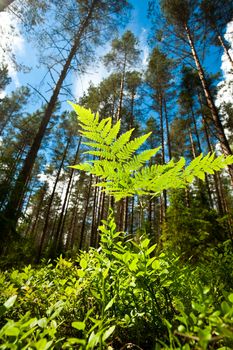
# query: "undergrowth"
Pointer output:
{"type": "Point", "coordinates": [123, 295]}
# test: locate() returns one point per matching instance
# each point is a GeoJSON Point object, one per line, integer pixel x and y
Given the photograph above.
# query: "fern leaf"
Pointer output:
{"type": "Point", "coordinates": [101, 154]}
{"type": "Point", "coordinates": [113, 133]}
{"type": "Point", "coordinates": [102, 124]}
{"type": "Point", "coordinates": [107, 128]}
{"type": "Point", "coordinates": [85, 167]}
{"type": "Point", "coordinates": [85, 116]}
{"type": "Point", "coordinates": [121, 141]}
{"type": "Point", "coordinates": [132, 146]}
{"type": "Point", "coordinates": [92, 136]}
{"type": "Point", "coordinates": [141, 158]}
{"type": "Point", "coordinates": [97, 145]}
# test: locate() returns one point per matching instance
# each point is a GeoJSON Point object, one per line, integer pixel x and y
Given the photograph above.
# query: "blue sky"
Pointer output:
{"type": "Point", "coordinates": [26, 53]}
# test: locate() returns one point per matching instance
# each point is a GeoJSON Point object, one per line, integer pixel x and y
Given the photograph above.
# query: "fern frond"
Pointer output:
{"type": "Point", "coordinates": [129, 148]}
{"type": "Point", "coordinates": [92, 136]}
{"type": "Point", "coordinates": [97, 145]}
{"type": "Point", "coordinates": [102, 124]}
{"type": "Point", "coordinates": [123, 170]}
{"type": "Point", "coordinates": [101, 154]}
{"type": "Point", "coordinates": [113, 133]}
{"type": "Point", "coordinates": [84, 167]}
{"type": "Point", "coordinates": [121, 141]}
{"type": "Point", "coordinates": [85, 116]}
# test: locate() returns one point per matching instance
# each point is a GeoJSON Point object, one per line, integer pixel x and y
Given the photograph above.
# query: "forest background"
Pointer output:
{"type": "Point", "coordinates": [158, 67]}
{"type": "Point", "coordinates": [130, 248]}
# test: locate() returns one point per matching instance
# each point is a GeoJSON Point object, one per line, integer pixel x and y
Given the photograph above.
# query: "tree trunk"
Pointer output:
{"type": "Point", "coordinates": [59, 231]}
{"type": "Point", "coordinates": [4, 4]}
{"type": "Point", "coordinates": [221, 41]}
{"type": "Point", "coordinates": [196, 131]}
{"type": "Point", "coordinates": [164, 201]}
{"type": "Point", "coordinates": [71, 238]}
{"type": "Point", "coordinates": [118, 116]}
{"type": "Point", "coordinates": [214, 112]}
{"type": "Point", "coordinates": [46, 222]}
{"type": "Point", "coordinates": [167, 130]}
{"type": "Point", "coordinates": [11, 215]}
{"type": "Point", "coordinates": [220, 204]}
{"type": "Point", "coordinates": [131, 121]}
{"type": "Point", "coordinates": [31, 229]}
{"type": "Point", "coordinates": [94, 212]}
{"type": "Point", "coordinates": [6, 183]}
{"type": "Point", "coordinates": [132, 216]}
{"type": "Point", "coordinates": [192, 144]}
{"type": "Point", "coordinates": [85, 215]}
{"type": "Point", "coordinates": [69, 186]}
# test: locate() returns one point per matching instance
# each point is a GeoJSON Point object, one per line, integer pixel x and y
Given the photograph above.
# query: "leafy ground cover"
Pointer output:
{"type": "Point", "coordinates": [124, 295]}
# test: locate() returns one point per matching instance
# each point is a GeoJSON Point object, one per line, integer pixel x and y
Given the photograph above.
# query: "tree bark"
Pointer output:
{"type": "Point", "coordinates": [42, 238]}
{"type": "Point", "coordinates": [221, 41]}
{"type": "Point", "coordinates": [118, 116]}
{"type": "Point", "coordinates": [4, 4]}
{"type": "Point", "coordinates": [31, 229]}
{"type": "Point", "coordinates": [164, 201]}
{"type": "Point", "coordinates": [69, 187]}
{"type": "Point", "coordinates": [167, 130]}
{"type": "Point", "coordinates": [85, 215]}
{"type": "Point", "coordinates": [214, 112]}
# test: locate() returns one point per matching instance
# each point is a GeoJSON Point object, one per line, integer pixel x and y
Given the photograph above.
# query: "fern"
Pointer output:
{"type": "Point", "coordinates": [124, 170]}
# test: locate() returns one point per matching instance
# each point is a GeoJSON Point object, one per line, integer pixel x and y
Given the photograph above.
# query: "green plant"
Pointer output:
{"type": "Point", "coordinates": [105, 296]}
{"type": "Point", "coordinates": [124, 170]}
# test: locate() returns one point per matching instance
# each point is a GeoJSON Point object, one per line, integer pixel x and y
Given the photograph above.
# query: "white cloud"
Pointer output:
{"type": "Point", "coordinates": [226, 86]}
{"type": "Point", "coordinates": [144, 47]}
{"type": "Point", "coordinates": [11, 43]}
{"type": "Point", "coordinates": [94, 75]}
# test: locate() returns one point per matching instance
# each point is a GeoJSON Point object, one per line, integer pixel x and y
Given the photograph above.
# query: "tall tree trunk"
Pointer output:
{"type": "Point", "coordinates": [11, 215]}
{"type": "Point", "coordinates": [31, 229]}
{"type": "Point", "coordinates": [59, 231]}
{"type": "Point", "coordinates": [85, 215]}
{"type": "Point", "coordinates": [210, 102]}
{"type": "Point", "coordinates": [167, 130]}
{"type": "Point", "coordinates": [222, 43]}
{"type": "Point", "coordinates": [94, 213]}
{"type": "Point", "coordinates": [192, 144]}
{"type": "Point", "coordinates": [99, 218]}
{"type": "Point", "coordinates": [119, 110]}
{"type": "Point", "coordinates": [69, 187]}
{"type": "Point", "coordinates": [219, 194]}
{"type": "Point", "coordinates": [220, 38]}
{"type": "Point", "coordinates": [6, 183]}
{"type": "Point", "coordinates": [46, 222]}
{"type": "Point", "coordinates": [164, 201]}
{"type": "Point", "coordinates": [150, 215]}
{"type": "Point", "coordinates": [71, 237]}
{"type": "Point", "coordinates": [195, 129]}
{"type": "Point", "coordinates": [132, 216]}
{"type": "Point", "coordinates": [131, 121]}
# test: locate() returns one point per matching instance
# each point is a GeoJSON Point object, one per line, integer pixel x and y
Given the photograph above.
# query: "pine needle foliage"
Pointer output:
{"type": "Point", "coordinates": [124, 170]}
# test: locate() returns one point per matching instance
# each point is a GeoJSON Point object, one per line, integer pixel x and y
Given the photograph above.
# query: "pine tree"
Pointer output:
{"type": "Point", "coordinates": [123, 55]}
{"type": "Point", "coordinates": [180, 15]}
{"type": "Point", "coordinates": [216, 15]}
{"type": "Point", "coordinates": [96, 14]}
